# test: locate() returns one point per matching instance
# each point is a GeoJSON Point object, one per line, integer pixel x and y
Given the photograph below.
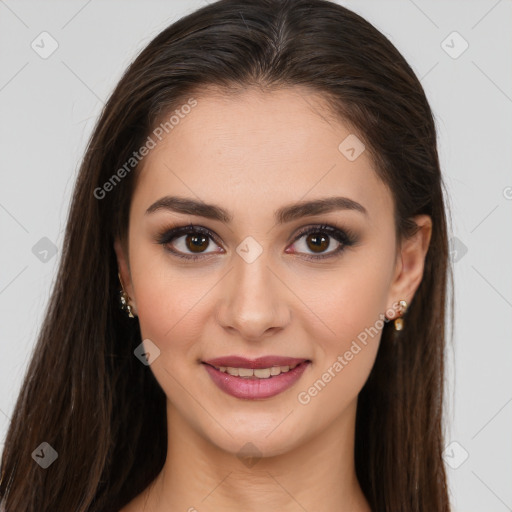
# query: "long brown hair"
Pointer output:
{"type": "Point", "coordinates": [90, 398]}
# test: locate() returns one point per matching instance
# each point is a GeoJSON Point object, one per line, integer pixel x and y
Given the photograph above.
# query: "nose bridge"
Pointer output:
{"type": "Point", "coordinates": [253, 280]}
{"type": "Point", "coordinates": [253, 302]}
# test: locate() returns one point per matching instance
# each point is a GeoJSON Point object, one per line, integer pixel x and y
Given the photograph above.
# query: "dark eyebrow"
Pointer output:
{"type": "Point", "coordinates": [282, 215]}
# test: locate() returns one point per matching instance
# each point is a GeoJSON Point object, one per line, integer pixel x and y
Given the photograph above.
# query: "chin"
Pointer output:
{"type": "Point", "coordinates": [268, 438]}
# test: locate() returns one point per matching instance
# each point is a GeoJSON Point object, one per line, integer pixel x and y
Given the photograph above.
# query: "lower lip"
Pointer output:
{"type": "Point", "coordinates": [254, 389]}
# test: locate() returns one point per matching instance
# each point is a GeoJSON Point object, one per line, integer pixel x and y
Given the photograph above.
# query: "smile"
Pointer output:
{"type": "Point", "coordinates": [256, 383]}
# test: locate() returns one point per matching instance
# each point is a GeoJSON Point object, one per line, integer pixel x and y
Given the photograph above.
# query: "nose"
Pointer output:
{"type": "Point", "coordinates": [253, 302]}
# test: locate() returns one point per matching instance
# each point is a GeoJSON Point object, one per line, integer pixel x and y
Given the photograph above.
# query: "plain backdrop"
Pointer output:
{"type": "Point", "coordinates": [462, 53]}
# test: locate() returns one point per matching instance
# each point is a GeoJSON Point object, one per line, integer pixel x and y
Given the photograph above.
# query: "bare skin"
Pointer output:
{"type": "Point", "coordinates": [252, 154]}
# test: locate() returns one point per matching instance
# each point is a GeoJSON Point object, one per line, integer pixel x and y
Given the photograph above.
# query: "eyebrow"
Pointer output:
{"type": "Point", "coordinates": [284, 214]}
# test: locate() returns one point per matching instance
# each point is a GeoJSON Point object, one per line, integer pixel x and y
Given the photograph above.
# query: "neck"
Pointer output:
{"type": "Point", "coordinates": [317, 475]}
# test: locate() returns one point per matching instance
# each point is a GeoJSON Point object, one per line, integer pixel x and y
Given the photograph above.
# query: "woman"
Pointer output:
{"type": "Point", "coordinates": [250, 306]}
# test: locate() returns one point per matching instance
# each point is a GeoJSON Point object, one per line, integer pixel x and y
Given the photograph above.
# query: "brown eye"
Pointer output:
{"type": "Point", "coordinates": [188, 242]}
{"type": "Point", "coordinates": [191, 242]}
{"type": "Point", "coordinates": [196, 243]}
{"type": "Point", "coordinates": [313, 243]}
{"type": "Point", "coordinates": [317, 242]}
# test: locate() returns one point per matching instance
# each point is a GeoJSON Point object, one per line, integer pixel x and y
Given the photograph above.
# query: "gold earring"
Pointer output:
{"type": "Point", "coordinates": [124, 298]}
{"type": "Point", "coordinates": [399, 322]}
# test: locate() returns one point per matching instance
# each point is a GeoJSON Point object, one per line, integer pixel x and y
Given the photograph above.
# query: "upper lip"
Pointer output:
{"type": "Point", "coordinates": [260, 362]}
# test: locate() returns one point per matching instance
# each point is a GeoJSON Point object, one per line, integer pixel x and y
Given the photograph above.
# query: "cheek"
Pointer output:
{"type": "Point", "coordinates": [361, 303]}
{"type": "Point", "coordinates": [354, 298]}
{"type": "Point", "coordinates": [169, 311]}
{"type": "Point", "coordinates": [353, 308]}
{"type": "Point", "coordinates": [171, 305]}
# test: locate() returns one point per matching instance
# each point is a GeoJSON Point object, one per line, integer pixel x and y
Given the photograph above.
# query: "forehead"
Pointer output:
{"type": "Point", "coordinates": [259, 148]}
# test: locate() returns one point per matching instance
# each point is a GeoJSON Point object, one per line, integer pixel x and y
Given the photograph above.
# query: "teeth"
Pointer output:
{"type": "Point", "coordinates": [260, 373]}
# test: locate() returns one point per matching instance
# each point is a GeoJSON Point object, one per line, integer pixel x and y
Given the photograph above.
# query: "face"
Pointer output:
{"type": "Point", "coordinates": [307, 284]}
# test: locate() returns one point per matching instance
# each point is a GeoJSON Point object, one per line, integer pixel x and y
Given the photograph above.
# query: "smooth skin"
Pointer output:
{"type": "Point", "coordinates": [251, 154]}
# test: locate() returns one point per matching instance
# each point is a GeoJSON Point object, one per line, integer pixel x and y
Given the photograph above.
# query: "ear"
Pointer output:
{"type": "Point", "coordinates": [411, 262]}
{"type": "Point", "coordinates": [124, 271]}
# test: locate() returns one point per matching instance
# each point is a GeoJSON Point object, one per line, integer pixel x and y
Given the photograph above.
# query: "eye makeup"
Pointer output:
{"type": "Point", "coordinates": [168, 236]}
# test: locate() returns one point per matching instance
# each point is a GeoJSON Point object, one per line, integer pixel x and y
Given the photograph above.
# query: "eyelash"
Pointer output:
{"type": "Point", "coordinates": [344, 236]}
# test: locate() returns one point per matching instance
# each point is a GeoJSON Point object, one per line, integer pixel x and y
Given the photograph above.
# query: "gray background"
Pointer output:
{"type": "Point", "coordinates": [48, 108]}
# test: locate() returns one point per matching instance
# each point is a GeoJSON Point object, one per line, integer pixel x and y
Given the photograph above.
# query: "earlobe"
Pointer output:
{"type": "Point", "coordinates": [124, 273]}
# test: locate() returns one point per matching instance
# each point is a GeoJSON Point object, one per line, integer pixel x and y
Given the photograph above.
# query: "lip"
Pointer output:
{"type": "Point", "coordinates": [256, 389]}
{"type": "Point", "coordinates": [260, 362]}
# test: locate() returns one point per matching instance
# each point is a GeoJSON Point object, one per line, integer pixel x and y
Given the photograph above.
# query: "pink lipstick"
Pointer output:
{"type": "Point", "coordinates": [255, 379]}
